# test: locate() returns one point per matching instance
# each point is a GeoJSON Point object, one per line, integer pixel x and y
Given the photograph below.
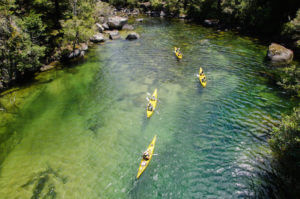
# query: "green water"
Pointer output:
{"type": "Point", "coordinates": [79, 132]}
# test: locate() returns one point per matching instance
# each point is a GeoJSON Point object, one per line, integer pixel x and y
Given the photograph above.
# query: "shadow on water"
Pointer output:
{"type": "Point", "coordinates": [273, 179]}
{"type": "Point", "coordinates": [42, 184]}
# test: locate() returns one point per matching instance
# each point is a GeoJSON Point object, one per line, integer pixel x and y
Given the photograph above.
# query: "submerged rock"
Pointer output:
{"type": "Point", "coordinates": [49, 66]}
{"type": "Point", "coordinates": [127, 27]}
{"type": "Point", "coordinates": [132, 36]}
{"type": "Point", "coordinates": [97, 38]}
{"type": "Point", "coordinates": [116, 22]}
{"type": "Point", "coordinates": [279, 54]}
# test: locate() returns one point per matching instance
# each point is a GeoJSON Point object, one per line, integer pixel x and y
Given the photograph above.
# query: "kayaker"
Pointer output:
{"type": "Point", "coordinates": [150, 107]}
{"type": "Point", "coordinates": [152, 98]}
{"type": "Point", "coordinates": [202, 73]}
{"type": "Point", "coordinates": [146, 155]}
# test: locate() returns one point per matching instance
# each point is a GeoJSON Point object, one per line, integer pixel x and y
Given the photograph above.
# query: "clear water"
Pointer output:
{"type": "Point", "coordinates": [79, 132]}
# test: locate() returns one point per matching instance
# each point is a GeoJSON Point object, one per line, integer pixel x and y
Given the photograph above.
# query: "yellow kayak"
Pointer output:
{"type": "Point", "coordinates": [202, 78]}
{"type": "Point", "coordinates": [152, 104]}
{"type": "Point", "coordinates": [178, 54]}
{"type": "Point", "coordinates": [144, 163]}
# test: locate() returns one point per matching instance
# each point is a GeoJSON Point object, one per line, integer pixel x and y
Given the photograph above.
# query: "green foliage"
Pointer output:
{"type": "Point", "coordinates": [18, 53]}
{"type": "Point", "coordinates": [79, 27]}
{"type": "Point", "coordinates": [289, 78]}
{"type": "Point", "coordinates": [34, 27]}
{"type": "Point", "coordinates": [285, 141]}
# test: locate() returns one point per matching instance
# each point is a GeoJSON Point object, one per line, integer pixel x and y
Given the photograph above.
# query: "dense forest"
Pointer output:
{"type": "Point", "coordinates": [37, 32]}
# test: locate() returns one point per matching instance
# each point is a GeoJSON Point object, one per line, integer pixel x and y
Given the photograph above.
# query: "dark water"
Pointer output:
{"type": "Point", "coordinates": [79, 132]}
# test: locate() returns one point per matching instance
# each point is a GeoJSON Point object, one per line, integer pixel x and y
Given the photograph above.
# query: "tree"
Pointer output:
{"type": "Point", "coordinates": [18, 54]}
{"type": "Point", "coordinates": [78, 28]}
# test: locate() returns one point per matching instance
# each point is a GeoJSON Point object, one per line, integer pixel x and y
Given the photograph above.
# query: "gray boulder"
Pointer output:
{"type": "Point", "coordinates": [97, 38]}
{"type": "Point", "coordinates": [105, 26]}
{"type": "Point", "coordinates": [279, 54]}
{"type": "Point", "coordinates": [74, 54]}
{"type": "Point", "coordinates": [127, 27]}
{"type": "Point", "coordinates": [114, 34]}
{"type": "Point", "coordinates": [116, 22]}
{"type": "Point", "coordinates": [132, 36]}
{"type": "Point", "coordinates": [99, 27]}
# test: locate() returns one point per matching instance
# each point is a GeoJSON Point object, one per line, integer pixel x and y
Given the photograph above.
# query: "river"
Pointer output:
{"type": "Point", "coordinates": [79, 132]}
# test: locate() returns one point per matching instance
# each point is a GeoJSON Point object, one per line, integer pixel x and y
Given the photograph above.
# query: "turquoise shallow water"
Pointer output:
{"type": "Point", "coordinates": [79, 132]}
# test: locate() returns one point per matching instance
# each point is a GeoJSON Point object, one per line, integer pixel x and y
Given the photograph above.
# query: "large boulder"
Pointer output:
{"type": "Point", "coordinates": [279, 54]}
{"type": "Point", "coordinates": [116, 22]}
{"type": "Point", "coordinates": [132, 36]}
{"type": "Point", "coordinates": [114, 34]}
{"type": "Point", "coordinates": [100, 27]}
{"type": "Point", "coordinates": [127, 27]}
{"type": "Point", "coordinates": [97, 38]}
{"type": "Point", "coordinates": [105, 26]}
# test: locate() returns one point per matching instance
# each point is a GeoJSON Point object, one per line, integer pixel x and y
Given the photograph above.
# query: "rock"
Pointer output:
{"type": "Point", "coordinates": [50, 66]}
{"type": "Point", "coordinates": [105, 26]}
{"type": "Point", "coordinates": [101, 19]}
{"type": "Point", "coordinates": [135, 12]}
{"type": "Point", "coordinates": [99, 27]}
{"type": "Point", "coordinates": [114, 34]}
{"type": "Point", "coordinates": [74, 54]}
{"type": "Point", "coordinates": [116, 22]}
{"type": "Point", "coordinates": [155, 14]}
{"type": "Point", "coordinates": [139, 20]}
{"type": "Point", "coordinates": [204, 42]}
{"type": "Point", "coordinates": [162, 14]}
{"type": "Point", "coordinates": [132, 36]}
{"type": "Point", "coordinates": [97, 38]}
{"type": "Point", "coordinates": [279, 54]}
{"type": "Point", "coordinates": [211, 22]}
{"type": "Point", "coordinates": [82, 53]}
{"type": "Point", "coordinates": [84, 47]}
{"type": "Point", "coordinates": [127, 27]}
{"type": "Point", "coordinates": [182, 16]}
